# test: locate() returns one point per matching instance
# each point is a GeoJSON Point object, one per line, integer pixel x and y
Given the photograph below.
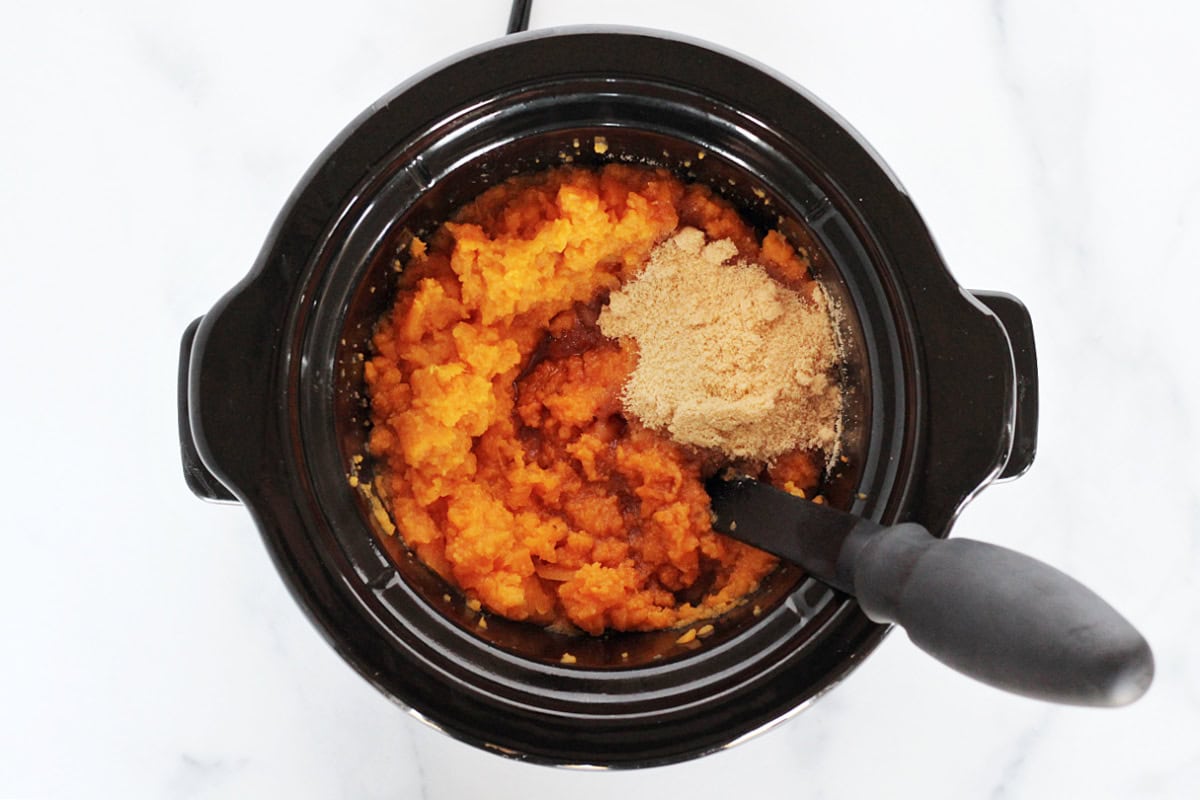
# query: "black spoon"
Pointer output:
{"type": "Point", "coordinates": [1001, 617]}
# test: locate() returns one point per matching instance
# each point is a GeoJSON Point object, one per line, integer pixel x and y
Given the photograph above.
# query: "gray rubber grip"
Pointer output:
{"type": "Point", "coordinates": [1001, 617]}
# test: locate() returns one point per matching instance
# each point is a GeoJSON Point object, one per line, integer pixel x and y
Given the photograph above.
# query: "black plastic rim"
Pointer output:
{"type": "Point", "coordinates": [267, 375]}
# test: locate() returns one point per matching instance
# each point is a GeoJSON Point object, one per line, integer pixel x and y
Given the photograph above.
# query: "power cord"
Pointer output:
{"type": "Point", "coordinates": [518, 19]}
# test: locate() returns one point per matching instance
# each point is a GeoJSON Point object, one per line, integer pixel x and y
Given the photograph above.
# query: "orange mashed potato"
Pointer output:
{"type": "Point", "coordinates": [503, 453]}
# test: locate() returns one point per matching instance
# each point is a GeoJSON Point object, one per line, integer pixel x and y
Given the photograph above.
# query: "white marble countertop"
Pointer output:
{"type": "Point", "coordinates": [151, 650]}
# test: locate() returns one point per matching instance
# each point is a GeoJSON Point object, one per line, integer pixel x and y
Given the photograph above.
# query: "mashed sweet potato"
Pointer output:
{"type": "Point", "coordinates": [503, 452]}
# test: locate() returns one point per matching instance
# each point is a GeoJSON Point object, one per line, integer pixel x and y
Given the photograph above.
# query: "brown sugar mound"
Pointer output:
{"type": "Point", "coordinates": [728, 358]}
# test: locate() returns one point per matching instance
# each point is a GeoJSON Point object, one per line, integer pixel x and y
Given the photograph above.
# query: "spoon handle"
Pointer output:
{"type": "Point", "coordinates": [999, 616]}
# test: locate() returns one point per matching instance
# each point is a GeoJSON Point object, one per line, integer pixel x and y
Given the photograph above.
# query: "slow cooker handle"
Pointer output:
{"type": "Point", "coordinates": [1018, 326]}
{"type": "Point", "coordinates": [198, 477]}
{"type": "Point", "coordinates": [228, 382]}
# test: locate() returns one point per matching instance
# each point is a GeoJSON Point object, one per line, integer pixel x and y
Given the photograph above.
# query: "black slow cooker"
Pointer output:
{"type": "Point", "coordinates": [940, 386]}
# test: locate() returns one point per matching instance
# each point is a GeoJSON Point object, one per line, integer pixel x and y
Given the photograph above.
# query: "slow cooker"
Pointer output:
{"type": "Point", "coordinates": [940, 386]}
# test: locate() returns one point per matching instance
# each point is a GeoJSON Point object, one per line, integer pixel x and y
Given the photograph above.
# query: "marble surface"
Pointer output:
{"type": "Point", "coordinates": [151, 650]}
